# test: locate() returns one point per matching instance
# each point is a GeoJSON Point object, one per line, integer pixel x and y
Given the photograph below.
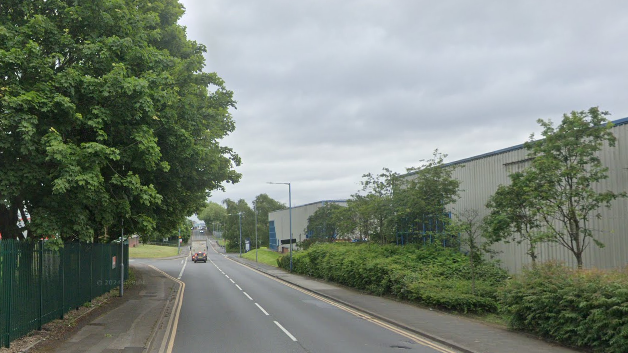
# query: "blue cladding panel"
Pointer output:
{"type": "Point", "coordinates": [272, 236]}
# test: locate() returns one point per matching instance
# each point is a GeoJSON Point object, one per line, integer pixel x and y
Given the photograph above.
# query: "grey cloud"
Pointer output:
{"type": "Point", "coordinates": [330, 90]}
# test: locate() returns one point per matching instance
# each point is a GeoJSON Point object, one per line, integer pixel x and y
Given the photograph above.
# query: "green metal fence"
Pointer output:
{"type": "Point", "coordinates": [38, 284]}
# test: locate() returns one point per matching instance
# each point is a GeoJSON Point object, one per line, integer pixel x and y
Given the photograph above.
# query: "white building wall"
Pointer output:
{"type": "Point", "coordinates": [300, 215]}
{"type": "Point", "coordinates": [480, 176]}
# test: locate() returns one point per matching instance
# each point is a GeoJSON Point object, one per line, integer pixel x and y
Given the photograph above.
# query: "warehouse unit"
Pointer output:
{"type": "Point", "coordinates": [481, 175]}
{"type": "Point", "coordinates": [279, 223]}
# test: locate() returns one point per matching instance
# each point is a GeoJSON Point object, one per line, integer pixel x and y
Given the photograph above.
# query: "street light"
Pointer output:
{"type": "Point", "coordinates": [290, 215]}
{"type": "Point", "coordinates": [240, 222]}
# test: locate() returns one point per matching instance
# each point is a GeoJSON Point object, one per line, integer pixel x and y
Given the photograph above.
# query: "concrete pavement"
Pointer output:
{"type": "Point", "coordinates": [133, 325]}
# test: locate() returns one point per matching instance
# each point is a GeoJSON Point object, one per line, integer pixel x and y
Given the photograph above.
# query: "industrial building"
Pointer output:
{"type": "Point", "coordinates": [279, 223]}
{"type": "Point", "coordinates": [481, 175]}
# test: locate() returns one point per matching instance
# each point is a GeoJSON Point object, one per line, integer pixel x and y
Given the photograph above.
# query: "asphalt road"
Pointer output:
{"type": "Point", "coordinates": [228, 307]}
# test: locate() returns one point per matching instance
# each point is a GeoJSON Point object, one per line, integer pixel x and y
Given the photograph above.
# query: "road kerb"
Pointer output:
{"type": "Point", "coordinates": [171, 329]}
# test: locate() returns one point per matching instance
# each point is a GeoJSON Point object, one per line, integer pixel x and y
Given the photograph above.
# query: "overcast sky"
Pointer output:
{"type": "Point", "coordinates": [330, 90]}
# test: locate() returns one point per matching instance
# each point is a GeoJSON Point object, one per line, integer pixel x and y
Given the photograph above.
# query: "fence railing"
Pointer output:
{"type": "Point", "coordinates": [39, 284]}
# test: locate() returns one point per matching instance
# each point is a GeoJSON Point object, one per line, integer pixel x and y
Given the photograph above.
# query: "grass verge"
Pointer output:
{"type": "Point", "coordinates": [264, 256]}
{"type": "Point", "coordinates": [152, 251]}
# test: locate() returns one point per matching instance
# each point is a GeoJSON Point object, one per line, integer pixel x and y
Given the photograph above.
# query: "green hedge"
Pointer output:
{"type": "Point", "coordinates": [433, 276]}
{"type": "Point", "coordinates": [582, 308]}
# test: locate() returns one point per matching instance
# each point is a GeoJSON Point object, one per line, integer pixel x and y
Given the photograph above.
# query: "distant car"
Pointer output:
{"type": "Point", "coordinates": [202, 231]}
{"type": "Point", "coordinates": [199, 256]}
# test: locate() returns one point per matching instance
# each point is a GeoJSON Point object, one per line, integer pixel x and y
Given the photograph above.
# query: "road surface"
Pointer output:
{"type": "Point", "coordinates": [228, 307]}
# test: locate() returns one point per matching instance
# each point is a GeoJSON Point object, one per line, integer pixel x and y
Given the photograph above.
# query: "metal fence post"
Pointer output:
{"type": "Point", "coordinates": [8, 264]}
{"type": "Point", "coordinates": [62, 279]}
{"type": "Point", "coordinates": [41, 284]}
{"type": "Point", "coordinates": [78, 267]}
{"type": "Point", "coordinates": [122, 260]}
{"type": "Point", "coordinates": [91, 272]}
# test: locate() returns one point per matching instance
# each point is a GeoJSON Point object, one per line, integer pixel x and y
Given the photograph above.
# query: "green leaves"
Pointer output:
{"type": "Point", "coordinates": [562, 181]}
{"type": "Point", "coordinates": [429, 275]}
{"type": "Point", "coordinates": [105, 114]}
{"type": "Point", "coordinates": [575, 307]}
{"type": "Point", "coordinates": [323, 224]}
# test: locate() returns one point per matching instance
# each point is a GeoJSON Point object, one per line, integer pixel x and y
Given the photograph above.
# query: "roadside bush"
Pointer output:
{"type": "Point", "coordinates": [582, 308]}
{"type": "Point", "coordinates": [433, 276]}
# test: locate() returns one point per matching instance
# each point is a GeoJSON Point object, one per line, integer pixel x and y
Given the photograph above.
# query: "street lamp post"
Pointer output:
{"type": "Point", "coordinates": [290, 215]}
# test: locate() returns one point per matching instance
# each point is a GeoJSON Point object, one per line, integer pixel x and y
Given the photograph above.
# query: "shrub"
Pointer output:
{"type": "Point", "coordinates": [432, 276]}
{"type": "Point", "coordinates": [583, 308]}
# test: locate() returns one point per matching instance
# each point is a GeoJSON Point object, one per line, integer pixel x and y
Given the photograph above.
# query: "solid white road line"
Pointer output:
{"type": "Point", "coordinates": [262, 309]}
{"type": "Point", "coordinates": [248, 296]}
{"type": "Point", "coordinates": [182, 269]}
{"type": "Point", "coordinates": [286, 331]}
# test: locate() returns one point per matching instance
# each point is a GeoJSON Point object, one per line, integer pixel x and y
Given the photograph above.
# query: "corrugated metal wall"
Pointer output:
{"type": "Point", "coordinates": [481, 177]}
{"type": "Point", "coordinates": [300, 215]}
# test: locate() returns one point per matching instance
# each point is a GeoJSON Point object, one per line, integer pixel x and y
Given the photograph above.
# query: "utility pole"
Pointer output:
{"type": "Point", "coordinates": [240, 221]}
{"type": "Point", "coordinates": [255, 210]}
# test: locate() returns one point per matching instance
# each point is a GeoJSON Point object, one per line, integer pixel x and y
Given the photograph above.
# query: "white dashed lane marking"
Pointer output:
{"type": "Point", "coordinates": [262, 309]}
{"type": "Point", "coordinates": [286, 331]}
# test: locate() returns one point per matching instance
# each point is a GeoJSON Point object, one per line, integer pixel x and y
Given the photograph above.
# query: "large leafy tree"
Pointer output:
{"type": "Point", "coordinates": [376, 206]}
{"type": "Point", "coordinates": [263, 205]}
{"type": "Point", "coordinates": [421, 202]}
{"type": "Point", "coordinates": [389, 203]}
{"type": "Point", "coordinates": [106, 115]}
{"type": "Point", "coordinates": [240, 218]}
{"type": "Point", "coordinates": [322, 226]}
{"type": "Point", "coordinates": [213, 215]}
{"type": "Point", "coordinates": [514, 215]}
{"type": "Point", "coordinates": [566, 171]}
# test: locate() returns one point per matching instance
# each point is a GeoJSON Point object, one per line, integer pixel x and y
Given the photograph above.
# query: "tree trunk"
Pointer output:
{"type": "Point", "coordinates": [472, 264]}
{"type": "Point", "coordinates": [579, 260]}
{"type": "Point", "coordinates": [532, 253]}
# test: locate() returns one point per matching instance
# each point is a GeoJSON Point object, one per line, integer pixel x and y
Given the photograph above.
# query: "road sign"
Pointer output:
{"type": "Point", "coordinates": [287, 241]}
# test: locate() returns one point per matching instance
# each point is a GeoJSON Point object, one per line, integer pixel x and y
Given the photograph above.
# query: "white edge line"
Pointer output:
{"type": "Point", "coordinates": [286, 331]}
{"type": "Point", "coordinates": [182, 269]}
{"type": "Point", "coordinates": [262, 309]}
{"type": "Point", "coordinates": [248, 296]}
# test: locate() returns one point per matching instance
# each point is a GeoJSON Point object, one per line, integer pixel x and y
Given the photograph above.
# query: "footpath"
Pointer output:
{"type": "Point", "coordinates": [139, 324]}
{"type": "Point", "coordinates": [136, 322]}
